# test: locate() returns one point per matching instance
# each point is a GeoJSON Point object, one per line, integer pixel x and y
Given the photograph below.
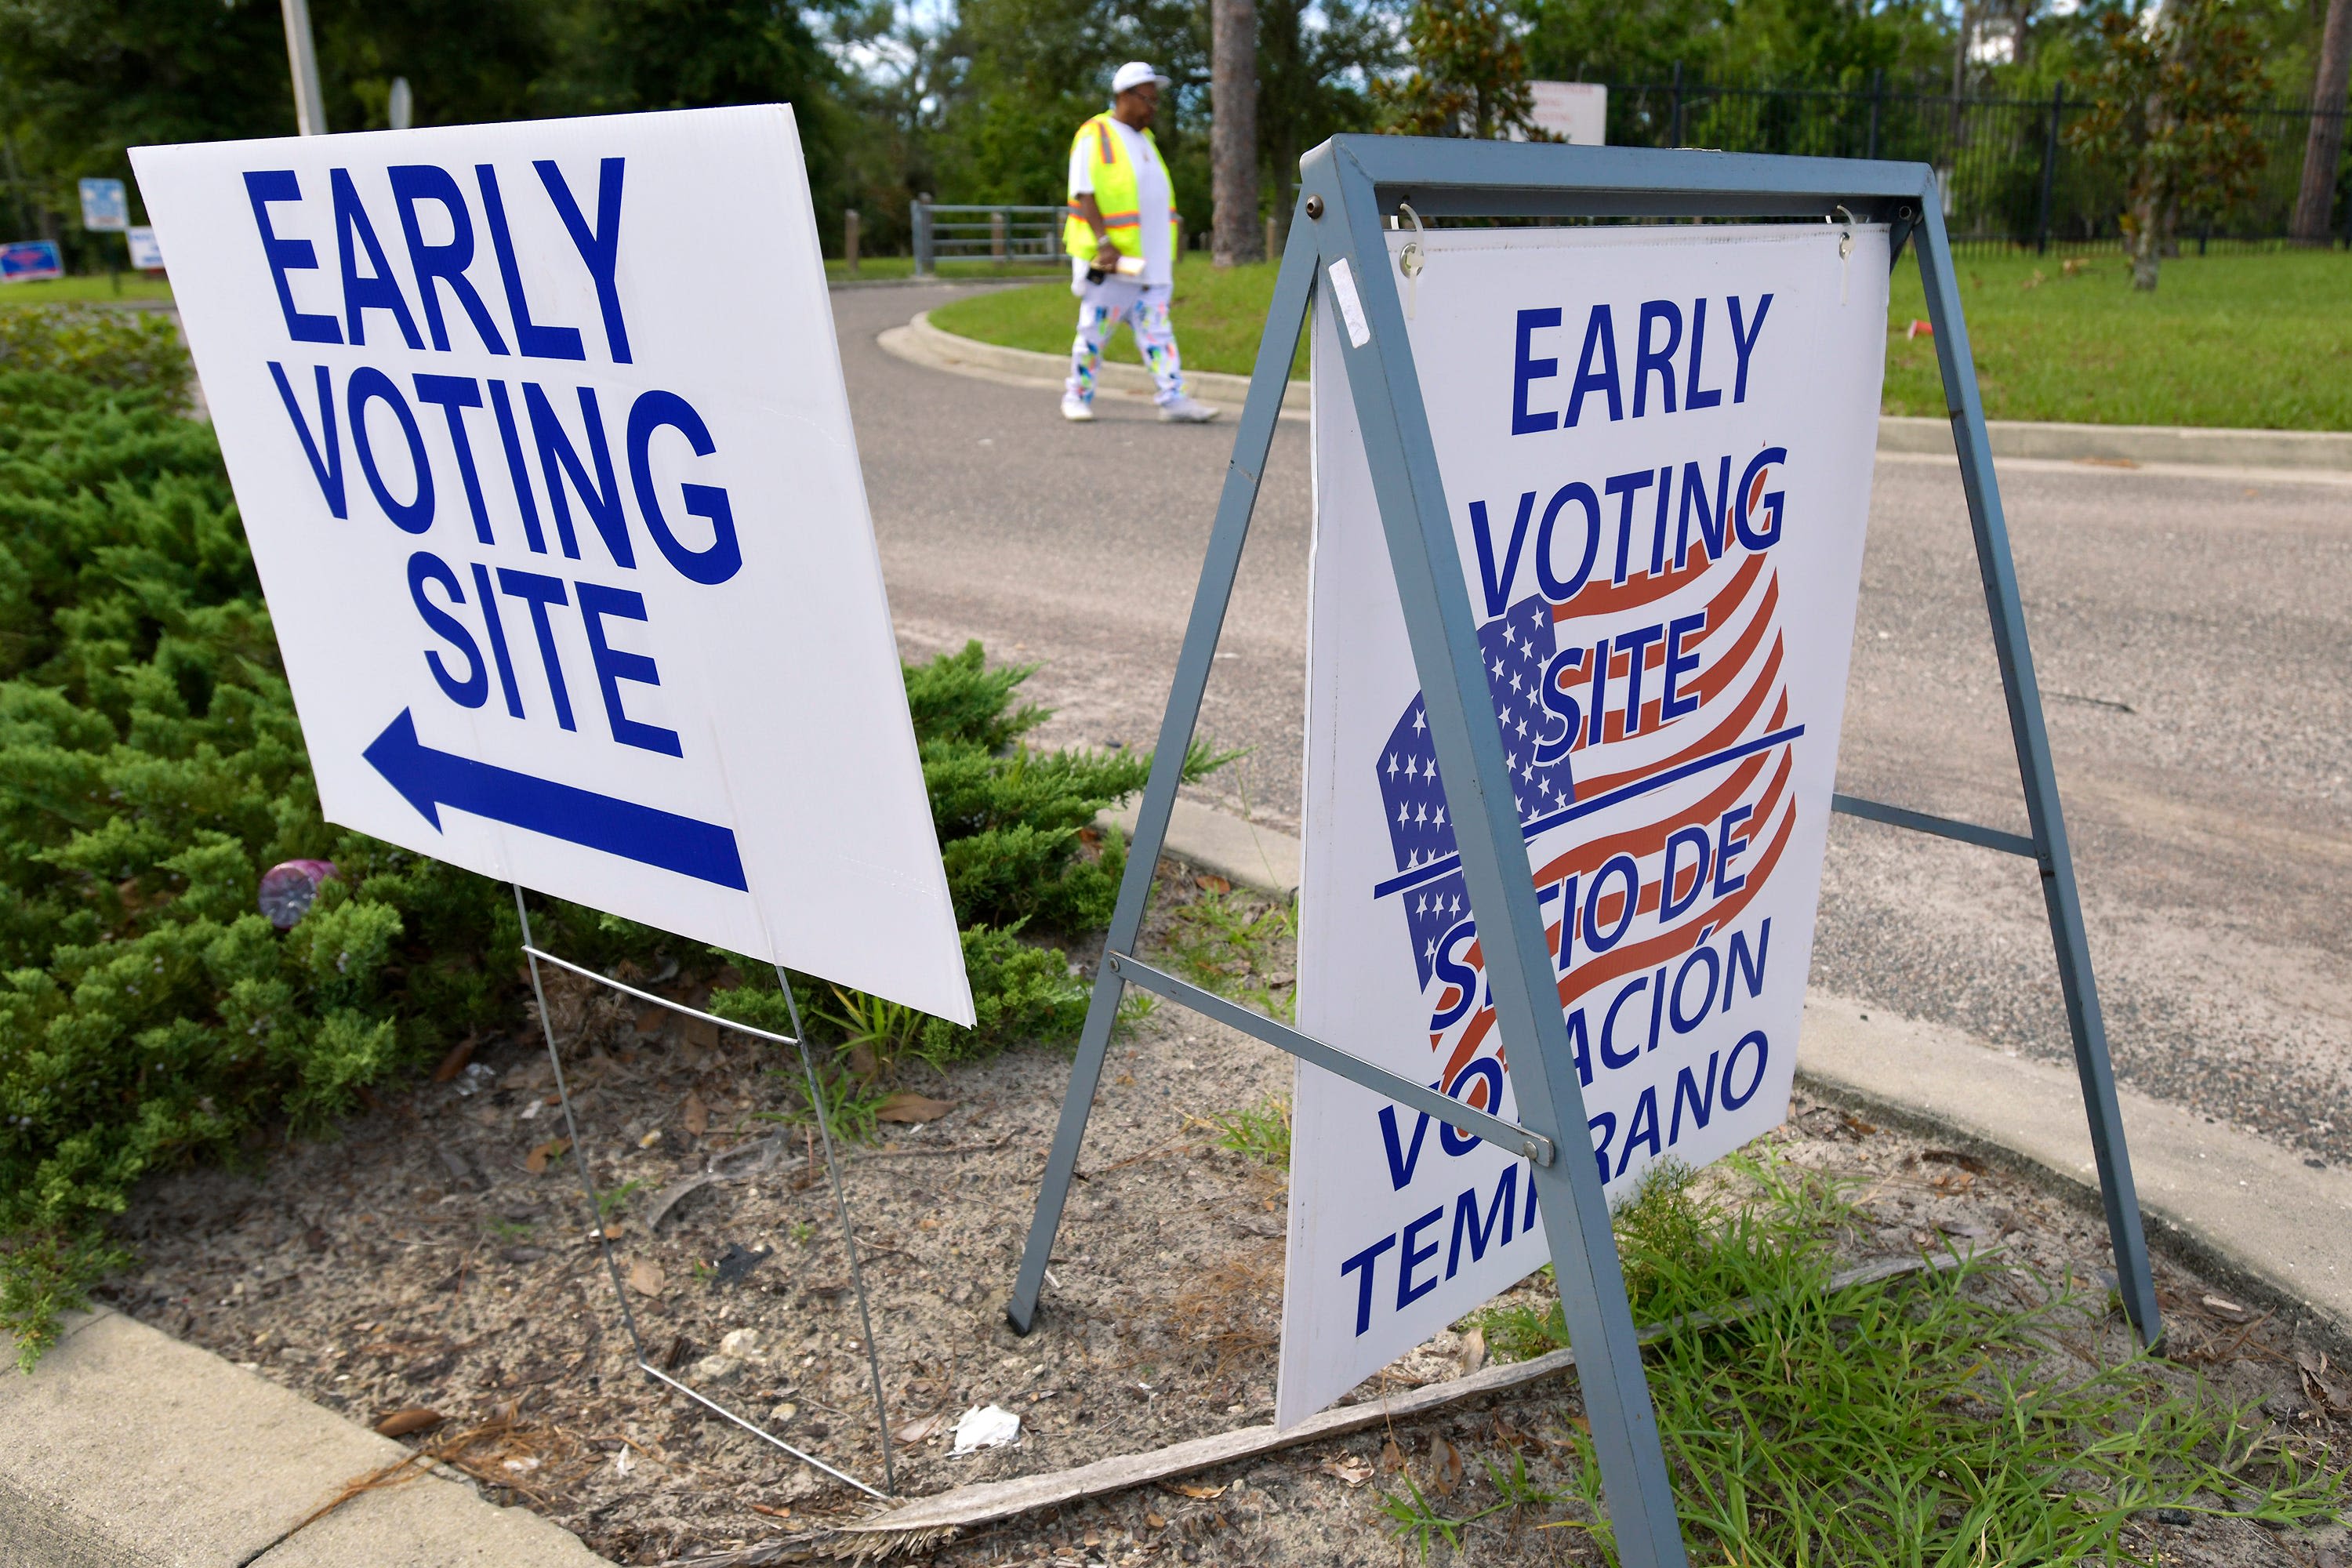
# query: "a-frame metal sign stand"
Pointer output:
{"type": "Point", "coordinates": [1348, 186]}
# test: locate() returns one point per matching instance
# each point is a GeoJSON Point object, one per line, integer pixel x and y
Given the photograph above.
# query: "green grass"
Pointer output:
{"type": "Point", "coordinates": [1262, 1134]}
{"type": "Point", "coordinates": [61, 291]}
{"type": "Point", "coordinates": [2262, 341]}
{"type": "Point", "coordinates": [1961, 1418]}
{"type": "Point", "coordinates": [1232, 942]}
{"type": "Point", "coordinates": [883, 268]}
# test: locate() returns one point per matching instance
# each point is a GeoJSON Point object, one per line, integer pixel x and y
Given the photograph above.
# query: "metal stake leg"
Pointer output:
{"type": "Point", "coordinates": [2083, 1022]}
{"type": "Point", "coordinates": [1292, 287]}
{"type": "Point", "coordinates": [848, 1232]}
{"type": "Point", "coordinates": [572, 1131]}
{"type": "Point", "coordinates": [1439, 626]}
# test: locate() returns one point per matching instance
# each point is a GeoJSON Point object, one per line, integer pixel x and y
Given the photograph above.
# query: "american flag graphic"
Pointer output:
{"type": "Point", "coordinates": [1517, 646]}
{"type": "Point", "coordinates": [1723, 747]}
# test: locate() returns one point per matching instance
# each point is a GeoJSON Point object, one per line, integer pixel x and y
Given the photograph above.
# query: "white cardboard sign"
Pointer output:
{"type": "Point", "coordinates": [1656, 447]}
{"type": "Point", "coordinates": [553, 493]}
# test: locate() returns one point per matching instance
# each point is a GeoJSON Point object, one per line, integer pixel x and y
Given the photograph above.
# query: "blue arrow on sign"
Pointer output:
{"type": "Point", "coordinates": [429, 779]}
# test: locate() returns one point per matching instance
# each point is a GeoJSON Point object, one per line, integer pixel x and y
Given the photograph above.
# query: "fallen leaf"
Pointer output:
{"type": "Point", "coordinates": [2228, 1309]}
{"type": "Point", "coordinates": [645, 1277]}
{"type": "Point", "coordinates": [1392, 1456]}
{"type": "Point", "coordinates": [1583, 1424]}
{"type": "Point", "coordinates": [920, 1429]}
{"type": "Point", "coordinates": [907, 1106]}
{"type": "Point", "coordinates": [1209, 884]}
{"type": "Point", "coordinates": [1347, 1467]}
{"type": "Point", "coordinates": [696, 1117]}
{"type": "Point", "coordinates": [455, 1062]}
{"type": "Point", "coordinates": [1444, 1467]}
{"type": "Point", "coordinates": [536, 1160]}
{"type": "Point", "coordinates": [1474, 1351]}
{"type": "Point", "coordinates": [772, 1512]}
{"type": "Point", "coordinates": [1201, 1492]}
{"type": "Point", "coordinates": [1154, 1520]}
{"type": "Point", "coordinates": [403, 1423]}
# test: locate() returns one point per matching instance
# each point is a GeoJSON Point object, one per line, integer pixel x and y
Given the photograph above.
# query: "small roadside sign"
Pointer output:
{"type": "Point", "coordinates": [30, 261]}
{"type": "Point", "coordinates": [105, 204]}
{"type": "Point", "coordinates": [554, 495]}
{"type": "Point", "coordinates": [145, 254]}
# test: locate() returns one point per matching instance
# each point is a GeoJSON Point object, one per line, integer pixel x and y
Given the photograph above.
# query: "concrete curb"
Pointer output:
{"type": "Point", "coordinates": [131, 1449]}
{"type": "Point", "coordinates": [2231, 1204]}
{"type": "Point", "coordinates": [2121, 445]}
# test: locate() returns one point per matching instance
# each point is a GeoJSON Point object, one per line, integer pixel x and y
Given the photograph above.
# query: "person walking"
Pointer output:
{"type": "Point", "coordinates": [1122, 252]}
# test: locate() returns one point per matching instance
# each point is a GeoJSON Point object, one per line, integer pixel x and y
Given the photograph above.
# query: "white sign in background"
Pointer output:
{"type": "Point", "coordinates": [539, 437]}
{"type": "Point", "coordinates": [1656, 447]}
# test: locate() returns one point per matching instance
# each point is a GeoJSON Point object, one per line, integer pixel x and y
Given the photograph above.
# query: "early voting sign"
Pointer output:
{"type": "Point", "coordinates": [1656, 447]}
{"type": "Point", "coordinates": [557, 506]}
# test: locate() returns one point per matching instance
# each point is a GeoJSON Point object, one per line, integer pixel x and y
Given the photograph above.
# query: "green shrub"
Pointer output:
{"type": "Point", "coordinates": [116, 350]}
{"type": "Point", "coordinates": [151, 769]}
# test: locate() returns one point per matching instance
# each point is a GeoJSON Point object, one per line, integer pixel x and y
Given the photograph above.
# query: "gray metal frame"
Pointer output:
{"type": "Point", "coordinates": [1347, 185]}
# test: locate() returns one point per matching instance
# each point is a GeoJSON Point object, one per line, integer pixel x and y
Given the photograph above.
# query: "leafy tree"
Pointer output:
{"type": "Point", "coordinates": [2169, 109]}
{"type": "Point", "coordinates": [1469, 74]}
{"type": "Point", "coordinates": [1315, 58]}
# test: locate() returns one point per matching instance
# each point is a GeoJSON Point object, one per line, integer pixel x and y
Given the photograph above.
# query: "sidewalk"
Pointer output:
{"type": "Point", "coordinates": [126, 1448]}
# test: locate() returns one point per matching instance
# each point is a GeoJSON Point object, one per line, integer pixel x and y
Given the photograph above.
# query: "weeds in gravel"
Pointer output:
{"type": "Point", "coordinates": [1262, 1134]}
{"type": "Point", "coordinates": [1226, 940]}
{"type": "Point", "coordinates": [1942, 1419]}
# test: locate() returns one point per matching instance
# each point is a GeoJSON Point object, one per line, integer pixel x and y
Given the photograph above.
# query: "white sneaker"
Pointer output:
{"type": "Point", "coordinates": [1077, 410]}
{"type": "Point", "coordinates": [1181, 409]}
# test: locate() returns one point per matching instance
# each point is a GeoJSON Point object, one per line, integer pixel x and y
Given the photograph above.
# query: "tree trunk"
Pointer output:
{"type": "Point", "coordinates": [2146, 242]}
{"type": "Point", "coordinates": [1233, 132]}
{"type": "Point", "coordinates": [2326, 143]}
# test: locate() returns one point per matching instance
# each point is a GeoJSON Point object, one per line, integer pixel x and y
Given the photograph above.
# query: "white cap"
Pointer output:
{"type": "Point", "coordinates": [1135, 73]}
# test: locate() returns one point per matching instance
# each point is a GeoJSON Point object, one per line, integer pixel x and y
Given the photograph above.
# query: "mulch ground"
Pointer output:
{"type": "Point", "coordinates": [436, 1262]}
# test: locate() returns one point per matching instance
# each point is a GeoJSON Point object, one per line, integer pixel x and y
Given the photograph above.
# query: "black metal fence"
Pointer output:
{"type": "Point", "coordinates": [2009, 175]}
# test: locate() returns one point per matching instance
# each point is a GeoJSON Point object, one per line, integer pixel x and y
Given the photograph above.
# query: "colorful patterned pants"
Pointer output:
{"type": "Point", "coordinates": [1101, 307]}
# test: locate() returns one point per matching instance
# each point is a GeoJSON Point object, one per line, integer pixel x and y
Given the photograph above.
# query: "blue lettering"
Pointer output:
{"type": "Point", "coordinates": [538, 592]}
{"type": "Point", "coordinates": [1680, 661]}
{"type": "Point", "coordinates": [1694, 397]}
{"type": "Point", "coordinates": [1752, 965]}
{"type": "Point", "coordinates": [1466, 1224]}
{"type": "Point", "coordinates": [1498, 587]}
{"type": "Point", "coordinates": [1710, 520]}
{"type": "Point", "coordinates": [446, 264]}
{"type": "Point", "coordinates": [1560, 590]}
{"type": "Point", "coordinates": [614, 666]}
{"type": "Point", "coordinates": [1743, 341]}
{"type": "Point", "coordinates": [723, 557]}
{"type": "Point", "coordinates": [376, 291]}
{"type": "Point", "coordinates": [1525, 369]}
{"type": "Point", "coordinates": [530, 337]}
{"type": "Point", "coordinates": [1626, 871]}
{"type": "Point", "coordinates": [1728, 848]}
{"type": "Point", "coordinates": [263, 187]}
{"type": "Point", "coordinates": [1751, 482]}
{"type": "Point", "coordinates": [1413, 1256]}
{"type": "Point", "coordinates": [1365, 1260]}
{"type": "Point", "coordinates": [600, 246]}
{"type": "Point", "coordinates": [1611, 1059]}
{"type": "Point", "coordinates": [559, 460]}
{"type": "Point", "coordinates": [1402, 1161]}
{"type": "Point", "coordinates": [490, 603]}
{"type": "Point", "coordinates": [425, 567]}
{"type": "Point", "coordinates": [453, 394]}
{"type": "Point", "coordinates": [1702, 1105]}
{"type": "Point", "coordinates": [1670, 907]}
{"type": "Point", "coordinates": [1601, 333]}
{"type": "Point", "coordinates": [1643, 1128]}
{"type": "Point", "coordinates": [330, 468]}
{"type": "Point", "coordinates": [368, 384]}
{"type": "Point", "coordinates": [1660, 362]}
{"type": "Point", "coordinates": [1763, 1053]}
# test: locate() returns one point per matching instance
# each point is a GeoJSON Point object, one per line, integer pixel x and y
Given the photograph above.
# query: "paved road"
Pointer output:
{"type": "Point", "coordinates": [2191, 634]}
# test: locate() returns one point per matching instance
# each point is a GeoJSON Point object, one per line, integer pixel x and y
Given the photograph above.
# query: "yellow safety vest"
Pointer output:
{"type": "Point", "coordinates": [1115, 194]}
